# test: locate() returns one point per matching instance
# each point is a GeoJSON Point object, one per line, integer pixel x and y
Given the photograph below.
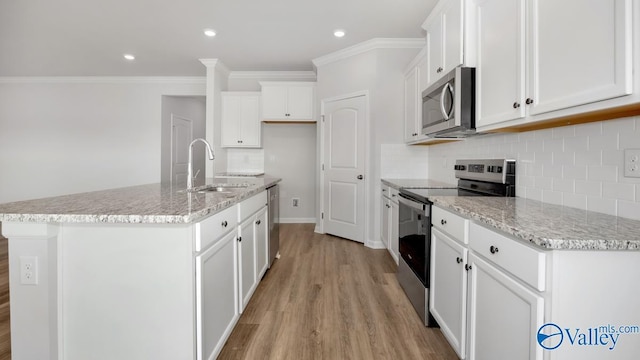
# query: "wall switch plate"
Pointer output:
{"type": "Point", "coordinates": [632, 163]}
{"type": "Point", "coordinates": [29, 270]}
{"type": "Point", "coordinates": [295, 202]}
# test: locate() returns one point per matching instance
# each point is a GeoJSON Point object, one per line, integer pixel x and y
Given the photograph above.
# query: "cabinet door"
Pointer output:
{"type": "Point", "coordinates": [580, 61]}
{"type": "Point", "coordinates": [448, 292]}
{"type": "Point", "coordinates": [423, 79]}
{"type": "Point", "coordinates": [500, 74]}
{"type": "Point", "coordinates": [300, 102]}
{"type": "Point", "coordinates": [247, 265]}
{"type": "Point", "coordinates": [393, 239]}
{"type": "Point", "coordinates": [250, 124]}
{"type": "Point", "coordinates": [434, 42]}
{"type": "Point", "coordinates": [216, 296]}
{"type": "Point", "coordinates": [274, 102]}
{"type": "Point", "coordinates": [260, 230]}
{"type": "Point", "coordinates": [411, 103]}
{"type": "Point", "coordinates": [504, 316]}
{"type": "Point", "coordinates": [452, 36]}
{"type": "Point", "coordinates": [231, 114]}
{"type": "Point", "coordinates": [385, 230]}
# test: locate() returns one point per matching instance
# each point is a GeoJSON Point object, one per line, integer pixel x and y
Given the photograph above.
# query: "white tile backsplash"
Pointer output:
{"type": "Point", "coordinates": [578, 166]}
{"type": "Point", "coordinates": [400, 161]}
{"type": "Point", "coordinates": [245, 160]}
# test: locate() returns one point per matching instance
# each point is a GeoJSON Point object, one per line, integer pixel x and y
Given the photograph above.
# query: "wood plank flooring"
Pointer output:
{"type": "Point", "coordinates": [331, 298]}
{"type": "Point", "coordinates": [5, 327]}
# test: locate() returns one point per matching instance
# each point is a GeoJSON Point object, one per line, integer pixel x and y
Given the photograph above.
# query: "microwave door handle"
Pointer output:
{"type": "Point", "coordinates": [447, 88]}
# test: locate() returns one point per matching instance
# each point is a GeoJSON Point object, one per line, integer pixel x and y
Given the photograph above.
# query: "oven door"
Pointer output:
{"type": "Point", "coordinates": [414, 230]}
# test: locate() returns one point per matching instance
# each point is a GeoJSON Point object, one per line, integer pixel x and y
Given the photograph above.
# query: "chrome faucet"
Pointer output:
{"type": "Point", "coordinates": [190, 165]}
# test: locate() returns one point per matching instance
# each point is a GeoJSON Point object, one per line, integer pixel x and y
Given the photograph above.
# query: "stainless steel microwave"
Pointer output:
{"type": "Point", "coordinates": [448, 106]}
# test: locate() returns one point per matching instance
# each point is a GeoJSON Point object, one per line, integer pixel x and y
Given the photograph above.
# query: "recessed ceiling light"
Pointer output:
{"type": "Point", "coordinates": [339, 33]}
{"type": "Point", "coordinates": [129, 57]}
{"type": "Point", "coordinates": [210, 32]}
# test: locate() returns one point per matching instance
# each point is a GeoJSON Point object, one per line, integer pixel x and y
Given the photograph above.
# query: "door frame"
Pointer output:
{"type": "Point", "coordinates": [367, 160]}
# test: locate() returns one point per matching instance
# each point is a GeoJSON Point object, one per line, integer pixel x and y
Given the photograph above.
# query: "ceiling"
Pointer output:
{"type": "Point", "coordinates": [89, 37]}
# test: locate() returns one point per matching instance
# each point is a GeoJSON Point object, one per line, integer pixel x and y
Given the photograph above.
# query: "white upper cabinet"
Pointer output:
{"type": "Point", "coordinates": [531, 60]}
{"type": "Point", "coordinates": [241, 125]}
{"type": "Point", "coordinates": [288, 101]}
{"type": "Point", "coordinates": [445, 38]}
{"type": "Point", "coordinates": [412, 105]}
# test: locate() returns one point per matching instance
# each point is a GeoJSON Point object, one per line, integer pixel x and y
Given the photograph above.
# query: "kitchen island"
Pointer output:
{"type": "Point", "coordinates": [143, 272]}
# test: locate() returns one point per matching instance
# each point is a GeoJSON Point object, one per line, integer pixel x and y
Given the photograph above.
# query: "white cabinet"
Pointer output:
{"type": "Point", "coordinates": [385, 232]}
{"type": "Point", "coordinates": [247, 250]}
{"type": "Point", "coordinates": [413, 105]}
{"type": "Point", "coordinates": [448, 291]}
{"type": "Point", "coordinates": [252, 245]}
{"type": "Point", "coordinates": [530, 61]}
{"type": "Point", "coordinates": [288, 101]}
{"type": "Point", "coordinates": [389, 220]}
{"type": "Point", "coordinates": [241, 125]}
{"type": "Point", "coordinates": [261, 233]}
{"type": "Point", "coordinates": [217, 312]}
{"type": "Point", "coordinates": [448, 300]}
{"type": "Point", "coordinates": [504, 316]}
{"type": "Point", "coordinates": [445, 38]}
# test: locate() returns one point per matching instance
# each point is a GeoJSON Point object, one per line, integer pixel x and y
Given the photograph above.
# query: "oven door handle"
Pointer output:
{"type": "Point", "coordinates": [410, 203]}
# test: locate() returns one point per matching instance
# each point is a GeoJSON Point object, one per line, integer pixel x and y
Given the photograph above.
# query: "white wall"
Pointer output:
{"type": "Point", "coordinates": [380, 72]}
{"type": "Point", "coordinates": [67, 135]}
{"type": "Point", "coordinates": [579, 166]}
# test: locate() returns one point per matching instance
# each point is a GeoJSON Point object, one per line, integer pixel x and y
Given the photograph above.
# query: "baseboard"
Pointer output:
{"type": "Point", "coordinates": [375, 244]}
{"type": "Point", "coordinates": [297, 220]}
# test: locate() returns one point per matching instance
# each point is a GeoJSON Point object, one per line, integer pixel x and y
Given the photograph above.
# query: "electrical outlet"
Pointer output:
{"type": "Point", "coordinates": [295, 202]}
{"type": "Point", "coordinates": [29, 270]}
{"type": "Point", "coordinates": [632, 163]}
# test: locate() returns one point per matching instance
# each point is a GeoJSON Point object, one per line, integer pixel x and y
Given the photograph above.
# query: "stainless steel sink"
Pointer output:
{"type": "Point", "coordinates": [222, 188]}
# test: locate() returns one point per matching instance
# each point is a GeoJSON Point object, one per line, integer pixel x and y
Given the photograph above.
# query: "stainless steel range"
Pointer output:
{"type": "Point", "coordinates": [487, 177]}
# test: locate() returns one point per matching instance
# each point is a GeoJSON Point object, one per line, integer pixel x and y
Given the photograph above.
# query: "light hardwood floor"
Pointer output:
{"type": "Point", "coordinates": [331, 298]}
{"type": "Point", "coordinates": [325, 298]}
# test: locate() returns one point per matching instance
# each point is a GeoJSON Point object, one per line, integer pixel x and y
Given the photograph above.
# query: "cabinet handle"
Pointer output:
{"type": "Point", "coordinates": [239, 238]}
{"type": "Point", "coordinates": [529, 101]}
{"type": "Point", "coordinates": [224, 223]}
{"type": "Point", "coordinates": [493, 249]}
{"type": "Point", "coordinates": [393, 195]}
{"type": "Point", "coordinates": [458, 260]}
{"type": "Point", "coordinates": [258, 222]}
{"type": "Point", "coordinates": [516, 105]}
{"type": "Point", "coordinates": [443, 222]}
{"type": "Point", "coordinates": [439, 70]}
{"type": "Point", "coordinates": [467, 267]}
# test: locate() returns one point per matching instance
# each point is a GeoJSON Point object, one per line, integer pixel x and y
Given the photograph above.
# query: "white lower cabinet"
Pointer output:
{"type": "Point", "coordinates": [389, 220]}
{"type": "Point", "coordinates": [261, 233]}
{"type": "Point", "coordinates": [504, 316]}
{"type": "Point", "coordinates": [448, 292]}
{"type": "Point", "coordinates": [247, 250]}
{"type": "Point", "coordinates": [216, 296]}
{"type": "Point", "coordinates": [393, 240]}
{"type": "Point", "coordinates": [385, 231]}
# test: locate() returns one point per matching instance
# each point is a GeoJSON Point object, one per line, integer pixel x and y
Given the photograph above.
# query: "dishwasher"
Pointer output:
{"type": "Point", "coordinates": [273, 204]}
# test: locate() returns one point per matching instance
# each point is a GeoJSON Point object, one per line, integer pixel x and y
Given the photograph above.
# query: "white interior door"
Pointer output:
{"type": "Point", "coordinates": [344, 167]}
{"type": "Point", "coordinates": [181, 136]}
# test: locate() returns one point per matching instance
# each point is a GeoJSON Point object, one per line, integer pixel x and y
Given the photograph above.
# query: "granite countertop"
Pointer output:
{"type": "Point", "coordinates": [417, 184]}
{"type": "Point", "coordinates": [147, 204]}
{"type": "Point", "coordinates": [547, 226]}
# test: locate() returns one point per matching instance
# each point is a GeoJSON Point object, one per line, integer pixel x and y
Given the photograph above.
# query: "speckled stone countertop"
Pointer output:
{"type": "Point", "coordinates": [147, 204]}
{"type": "Point", "coordinates": [417, 184]}
{"type": "Point", "coordinates": [546, 225]}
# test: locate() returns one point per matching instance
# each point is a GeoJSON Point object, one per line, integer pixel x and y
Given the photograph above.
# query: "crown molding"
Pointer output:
{"type": "Point", "coordinates": [274, 75]}
{"type": "Point", "coordinates": [216, 64]}
{"type": "Point", "coordinates": [373, 44]}
{"type": "Point", "coordinates": [103, 80]}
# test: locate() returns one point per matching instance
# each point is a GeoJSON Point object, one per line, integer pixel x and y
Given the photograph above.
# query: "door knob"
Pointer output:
{"type": "Point", "coordinates": [360, 177]}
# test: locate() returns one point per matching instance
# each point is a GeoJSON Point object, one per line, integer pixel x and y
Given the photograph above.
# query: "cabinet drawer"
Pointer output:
{"type": "Point", "coordinates": [209, 230]}
{"type": "Point", "coordinates": [386, 190]}
{"type": "Point", "coordinates": [393, 194]}
{"type": "Point", "coordinates": [450, 223]}
{"type": "Point", "coordinates": [251, 205]}
{"type": "Point", "coordinates": [525, 262]}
